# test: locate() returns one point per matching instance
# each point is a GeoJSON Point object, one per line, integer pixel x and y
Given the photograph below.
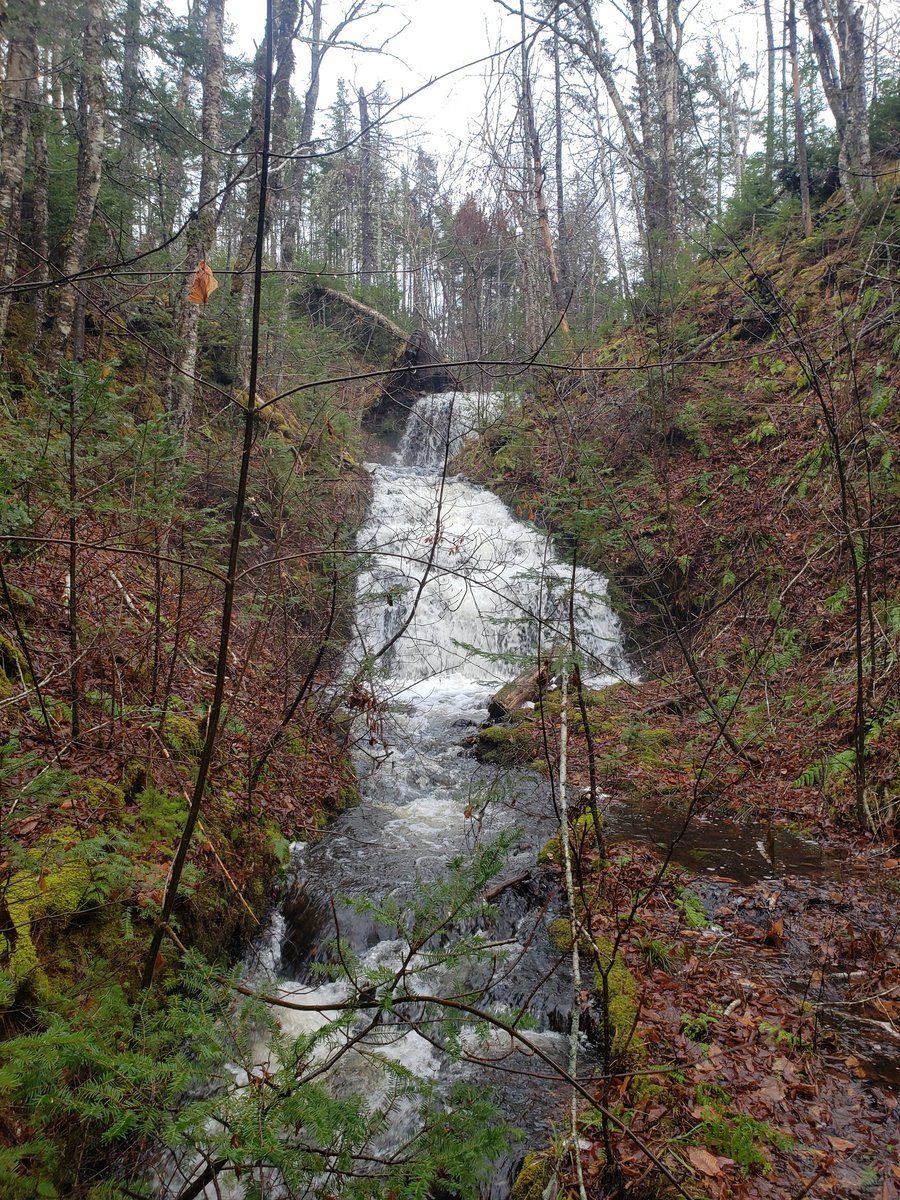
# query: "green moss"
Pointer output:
{"type": "Point", "coordinates": [505, 745]}
{"type": "Point", "coordinates": [100, 794]}
{"type": "Point", "coordinates": [135, 778]}
{"type": "Point", "coordinates": [34, 893]}
{"type": "Point", "coordinates": [12, 668]}
{"type": "Point", "coordinates": [534, 1177]}
{"type": "Point", "coordinates": [616, 987]}
{"type": "Point", "coordinates": [295, 743]}
{"type": "Point", "coordinates": [560, 934]}
{"type": "Point", "coordinates": [182, 734]}
{"type": "Point", "coordinates": [348, 797]}
{"type": "Point", "coordinates": [582, 836]}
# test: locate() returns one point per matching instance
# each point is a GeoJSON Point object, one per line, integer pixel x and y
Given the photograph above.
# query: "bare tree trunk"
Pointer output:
{"type": "Point", "coordinates": [41, 210]}
{"type": "Point", "coordinates": [201, 231]}
{"type": "Point", "coordinates": [844, 84]}
{"type": "Point", "coordinates": [19, 90]}
{"type": "Point", "coordinates": [241, 290]}
{"type": "Point", "coordinates": [856, 147]}
{"type": "Point", "coordinates": [651, 143]}
{"type": "Point", "coordinates": [562, 230]}
{"type": "Point", "coordinates": [666, 50]}
{"type": "Point", "coordinates": [90, 165]}
{"type": "Point", "coordinates": [799, 121]}
{"type": "Point", "coordinates": [366, 223]}
{"type": "Point", "coordinates": [560, 297]}
{"type": "Point", "coordinates": [172, 196]}
{"type": "Point", "coordinates": [770, 93]}
{"type": "Point", "coordinates": [131, 54]}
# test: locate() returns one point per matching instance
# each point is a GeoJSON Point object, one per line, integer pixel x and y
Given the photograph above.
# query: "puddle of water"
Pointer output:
{"type": "Point", "coordinates": [714, 845]}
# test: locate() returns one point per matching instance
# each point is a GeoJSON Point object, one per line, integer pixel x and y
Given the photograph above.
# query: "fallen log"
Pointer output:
{"type": "Point", "coordinates": [370, 332]}
{"type": "Point", "coordinates": [524, 689]}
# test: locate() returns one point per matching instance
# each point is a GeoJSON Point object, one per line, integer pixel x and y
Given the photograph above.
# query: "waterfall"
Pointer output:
{"type": "Point", "coordinates": [476, 594]}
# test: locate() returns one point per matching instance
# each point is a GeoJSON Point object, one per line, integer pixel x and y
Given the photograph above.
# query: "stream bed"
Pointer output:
{"type": "Point", "coordinates": [456, 598]}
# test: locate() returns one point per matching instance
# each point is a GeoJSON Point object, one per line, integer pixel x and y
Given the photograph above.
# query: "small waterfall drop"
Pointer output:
{"type": "Point", "coordinates": [456, 597]}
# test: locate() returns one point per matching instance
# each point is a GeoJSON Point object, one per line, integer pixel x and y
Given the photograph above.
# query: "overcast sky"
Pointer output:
{"type": "Point", "coordinates": [432, 38]}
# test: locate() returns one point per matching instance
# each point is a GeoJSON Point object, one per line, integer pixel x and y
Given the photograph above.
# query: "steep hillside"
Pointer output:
{"type": "Point", "coordinates": [729, 462]}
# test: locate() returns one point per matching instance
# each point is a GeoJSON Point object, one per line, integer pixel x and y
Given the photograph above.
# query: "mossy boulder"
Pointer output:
{"type": "Point", "coordinates": [348, 796]}
{"type": "Point", "coordinates": [534, 1177]}
{"type": "Point", "coordinates": [36, 892]}
{"type": "Point", "coordinates": [99, 795]}
{"type": "Point", "coordinates": [13, 668]}
{"type": "Point", "coordinates": [616, 992]}
{"type": "Point", "coordinates": [182, 734]}
{"type": "Point", "coordinates": [583, 835]}
{"type": "Point", "coordinates": [505, 745]}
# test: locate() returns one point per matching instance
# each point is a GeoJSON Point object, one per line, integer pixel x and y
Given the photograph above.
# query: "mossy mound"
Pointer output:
{"type": "Point", "coordinates": [505, 745]}
{"type": "Point", "coordinates": [12, 668]}
{"type": "Point", "coordinates": [616, 992]}
{"type": "Point", "coordinates": [182, 734]}
{"type": "Point", "coordinates": [100, 795]}
{"type": "Point", "coordinates": [38, 892]}
{"type": "Point", "coordinates": [583, 835]}
{"type": "Point", "coordinates": [534, 1177]}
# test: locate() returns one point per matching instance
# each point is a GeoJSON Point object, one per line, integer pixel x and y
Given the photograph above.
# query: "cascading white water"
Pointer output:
{"type": "Point", "coordinates": [493, 593]}
{"type": "Point", "coordinates": [457, 596]}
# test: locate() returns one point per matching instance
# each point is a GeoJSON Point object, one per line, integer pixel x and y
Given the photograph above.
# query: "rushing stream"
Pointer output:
{"type": "Point", "coordinates": [456, 597]}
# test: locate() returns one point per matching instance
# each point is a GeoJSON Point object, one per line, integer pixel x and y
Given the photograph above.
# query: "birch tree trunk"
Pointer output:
{"type": "Point", "coordinates": [20, 89]}
{"type": "Point", "coordinates": [562, 229]}
{"type": "Point", "coordinates": [560, 298]}
{"type": "Point", "coordinates": [92, 101]}
{"type": "Point", "coordinates": [366, 221]}
{"type": "Point", "coordinates": [201, 231]}
{"type": "Point", "coordinates": [799, 121]}
{"type": "Point", "coordinates": [770, 92]}
{"type": "Point", "coordinates": [41, 208]}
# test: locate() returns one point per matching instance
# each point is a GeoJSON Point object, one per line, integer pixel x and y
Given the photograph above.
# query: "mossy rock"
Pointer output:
{"type": "Point", "coordinates": [559, 932]}
{"type": "Point", "coordinates": [22, 601]}
{"type": "Point", "coordinates": [135, 779]}
{"type": "Point", "coordinates": [534, 1178]}
{"type": "Point", "coordinates": [294, 743]}
{"type": "Point", "coordinates": [12, 668]}
{"type": "Point", "coordinates": [582, 836]}
{"type": "Point", "coordinates": [98, 794]}
{"type": "Point", "coordinates": [505, 745]}
{"type": "Point", "coordinates": [348, 797]}
{"type": "Point", "coordinates": [182, 734]}
{"type": "Point", "coordinates": [621, 996]}
{"type": "Point", "coordinates": [35, 893]}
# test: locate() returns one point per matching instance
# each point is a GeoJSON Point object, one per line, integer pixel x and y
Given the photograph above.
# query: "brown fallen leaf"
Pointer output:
{"type": "Point", "coordinates": [840, 1143]}
{"type": "Point", "coordinates": [704, 1162]}
{"type": "Point", "coordinates": [205, 283]}
{"type": "Point", "coordinates": [774, 935]}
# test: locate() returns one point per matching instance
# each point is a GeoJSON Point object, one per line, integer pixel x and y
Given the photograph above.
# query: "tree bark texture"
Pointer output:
{"type": "Point", "coordinates": [91, 117]}
{"type": "Point", "coordinates": [558, 292]}
{"type": "Point", "coordinates": [844, 83]}
{"type": "Point", "coordinates": [366, 222]}
{"type": "Point", "coordinates": [201, 230]}
{"type": "Point", "coordinates": [799, 121]}
{"type": "Point", "coordinates": [19, 91]}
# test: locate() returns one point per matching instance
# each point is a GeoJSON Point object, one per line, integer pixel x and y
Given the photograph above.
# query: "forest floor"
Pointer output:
{"type": "Point", "coordinates": [730, 490]}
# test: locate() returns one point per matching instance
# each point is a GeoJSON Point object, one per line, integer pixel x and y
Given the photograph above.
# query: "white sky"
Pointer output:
{"type": "Point", "coordinates": [433, 37]}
